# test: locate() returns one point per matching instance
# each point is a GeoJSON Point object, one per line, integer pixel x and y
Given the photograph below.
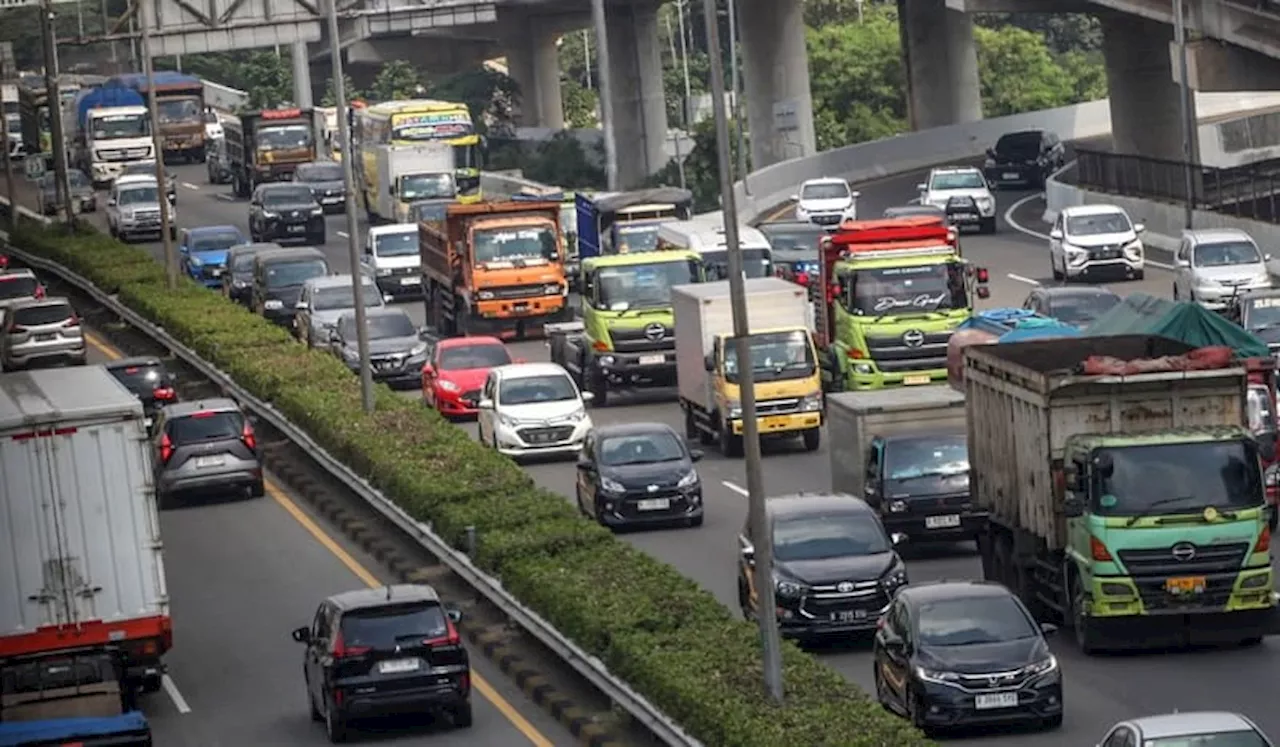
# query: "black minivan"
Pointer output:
{"type": "Point", "coordinates": [278, 275]}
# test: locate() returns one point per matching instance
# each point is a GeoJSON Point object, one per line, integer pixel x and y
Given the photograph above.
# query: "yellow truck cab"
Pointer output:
{"type": "Point", "coordinates": [784, 361]}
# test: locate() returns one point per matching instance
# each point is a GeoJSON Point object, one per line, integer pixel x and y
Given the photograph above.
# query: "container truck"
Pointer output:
{"type": "Point", "coordinates": [112, 129]}
{"type": "Point", "coordinates": [79, 524]}
{"type": "Point", "coordinates": [180, 106]}
{"type": "Point", "coordinates": [788, 384]}
{"type": "Point", "coordinates": [1124, 488]}
{"type": "Point", "coordinates": [404, 175]}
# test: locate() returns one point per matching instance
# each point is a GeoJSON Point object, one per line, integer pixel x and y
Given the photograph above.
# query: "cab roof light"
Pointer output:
{"type": "Point", "coordinates": [282, 113]}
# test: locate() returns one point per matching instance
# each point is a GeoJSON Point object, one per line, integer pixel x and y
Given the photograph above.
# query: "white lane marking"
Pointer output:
{"type": "Point", "coordinates": [735, 488]}
{"type": "Point", "coordinates": [171, 689]}
{"type": "Point", "coordinates": [344, 234]}
{"type": "Point", "coordinates": [1022, 279]}
{"type": "Point", "coordinates": [189, 185]}
{"type": "Point", "coordinates": [1015, 225]}
{"type": "Point", "coordinates": [225, 197]}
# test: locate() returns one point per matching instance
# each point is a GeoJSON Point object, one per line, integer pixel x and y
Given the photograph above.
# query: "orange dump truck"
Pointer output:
{"type": "Point", "coordinates": [493, 268]}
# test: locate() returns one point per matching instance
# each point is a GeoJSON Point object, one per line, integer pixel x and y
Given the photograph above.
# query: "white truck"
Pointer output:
{"type": "Point", "coordinates": [402, 175]}
{"type": "Point", "coordinates": [78, 521]}
{"type": "Point", "coordinates": [111, 129]}
{"type": "Point", "coordinates": [788, 386]}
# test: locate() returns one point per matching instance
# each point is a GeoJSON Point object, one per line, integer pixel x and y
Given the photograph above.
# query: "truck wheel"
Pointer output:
{"type": "Point", "coordinates": [691, 429]}
{"type": "Point", "coordinates": [600, 388]}
{"type": "Point", "coordinates": [1076, 618]}
{"type": "Point", "coordinates": [730, 444]}
{"type": "Point", "coordinates": [149, 684]}
{"type": "Point", "coordinates": [812, 438]}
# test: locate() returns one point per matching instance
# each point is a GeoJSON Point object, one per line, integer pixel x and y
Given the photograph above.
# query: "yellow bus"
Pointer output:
{"type": "Point", "coordinates": [416, 121]}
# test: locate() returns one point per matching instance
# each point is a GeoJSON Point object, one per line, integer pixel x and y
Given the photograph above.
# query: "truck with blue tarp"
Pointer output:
{"type": "Point", "coordinates": [180, 107]}
{"type": "Point", "coordinates": [999, 325]}
{"type": "Point", "coordinates": [72, 697]}
{"type": "Point", "coordinates": [111, 130]}
{"type": "Point", "coordinates": [612, 223]}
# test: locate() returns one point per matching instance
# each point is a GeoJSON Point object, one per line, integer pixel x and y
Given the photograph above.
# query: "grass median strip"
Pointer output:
{"type": "Point", "coordinates": [650, 625]}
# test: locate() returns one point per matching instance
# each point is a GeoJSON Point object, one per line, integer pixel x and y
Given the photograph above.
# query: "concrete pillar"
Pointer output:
{"type": "Point", "coordinates": [546, 75]}
{"type": "Point", "coordinates": [1145, 114]}
{"type": "Point", "coordinates": [776, 81]}
{"type": "Point", "coordinates": [519, 49]}
{"type": "Point", "coordinates": [639, 105]}
{"type": "Point", "coordinates": [942, 64]}
{"type": "Point", "coordinates": [301, 75]}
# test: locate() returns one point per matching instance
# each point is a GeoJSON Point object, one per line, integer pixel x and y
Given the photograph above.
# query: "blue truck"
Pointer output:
{"type": "Point", "coordinates": [73, 697]}
{"type": "Point", "coordinates": [627, 222]}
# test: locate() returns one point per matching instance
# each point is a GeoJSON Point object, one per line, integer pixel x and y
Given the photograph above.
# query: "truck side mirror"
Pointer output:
{"type": "Point", "coordinates": [1072, 508]}
{"type": "Point", "coordinates": [1267, 446]}
{"type": "Point", "coordinates": [709, 362]}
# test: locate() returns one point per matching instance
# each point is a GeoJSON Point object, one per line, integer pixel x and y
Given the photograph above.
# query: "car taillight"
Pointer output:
{"type": "Point", "coordinates": [451, 637]}
{"type": "Point", "coordinates": [39, 292]}
{"type": "Point", "coordinates": [342, 651]}
{"type": "Point", "coordinates": [73, 321]}
{"type": "Point", "coordinates": [166, 449]}
{"type": "Point", "coordinates": [165, 393]}
{"type": "Point", "coordinates": [1098, 550]}
{"type": "Point", "coordinates": [802, 278]}
{"type": "Point", "coordinates": [1264, 540]}
{"type": "Point", "coordinates": [248, 436]}
{"type": "Point", "coordinates": [4, 261]}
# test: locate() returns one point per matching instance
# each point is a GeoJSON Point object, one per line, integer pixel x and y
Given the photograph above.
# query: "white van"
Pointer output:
{"type": "Point", "coordinates": [706, 236]}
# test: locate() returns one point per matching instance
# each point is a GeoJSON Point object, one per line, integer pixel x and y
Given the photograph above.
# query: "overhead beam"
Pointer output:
{"type": "Point", "coordinates": [1020, 6]}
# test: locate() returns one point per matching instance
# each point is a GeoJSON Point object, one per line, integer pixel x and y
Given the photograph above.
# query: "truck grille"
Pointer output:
{"type": "Point", "coordinates": [893, 353]}
{"type": "Point", "coordinates": [777, 406]}
{"type": "Point", "coordinates": [1206, 559]}
{"type": "Point", "coordinates": [545, 436]}
{"type": "Point", "coordinates": [1217, 591]}
{"type": "Point", "coordinates": [516, 291]}
{"type": "Point", "coordinates": [123, 154]}
{"type": "Point", "coordinates": [405, 271]}
{"type": "Point", "coordinates": [636, 341]}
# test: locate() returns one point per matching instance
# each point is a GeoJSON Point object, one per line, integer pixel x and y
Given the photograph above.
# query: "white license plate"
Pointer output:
{"type": "Point", "coordinates": [296, 229]}
{"type": "Point", "coordinates": [917, 379]}
{"type": "Point", "coordinates": [408, 281]}
{"type": "Point", "coordinates": [399, 666]}
{"type": "Point", "coordinates": [942, 522]}
{"type": "Point", "coordinates": [652, 360]}
{"type": "Point", "coordinates": [995, 700]}
{"type": "Point", "coordinates": [848, 616]}
{"type": "Point", "coordinates": [654, 504]}
{"type": "Point", "coordinates": [206, 462]}
{"type": "Point", "coordinates": [44, 337]}
{"type": "Point", "coordinates": [1012, 175]}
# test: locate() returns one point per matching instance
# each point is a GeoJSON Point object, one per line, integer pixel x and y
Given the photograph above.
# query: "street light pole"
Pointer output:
{"type": "Point", "coordinates": [738, 127]}
{"type": "Point", "coordinates": [157, 145]}
{"type": "Point", "coordinates": [57, 137]}
{"type": "Point", "coordinates": [353, 227]}
{"type": "Point", "coordinates": [761, 537]}
{"type": "Point", "coordinates": [605, 77]}
{"type": "Point", "coordinates": [1185, 110]}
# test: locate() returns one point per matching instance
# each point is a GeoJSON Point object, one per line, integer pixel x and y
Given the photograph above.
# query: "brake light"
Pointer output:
{"type": "Point", "coordinates": [983, 275]}
{"type": "Point", "coordinates": [204, 414]}
{"type": "Point", "coordinates": [165, 393]}
{"type": "Point", "coordinates": [248, 436]}
{"type": "Point", "coordinates": [1098, 550]}
{"type": "Point", "coordinates": [166, 449]}
{"type": "Point", "coordinates": [1264, 540]}
{"type": "Point", "coordinates": [451, 637]}
{"type": "Point", "coordinates": [342, 651]}
{"type": "Point", "coordinates": [4, 261]}
{"type": "Point", "coordinates": [39, 293]}
{"type": "Point", "coordinates": [802, 278]}
{"type": "Point", "coordinates": [73, 321]}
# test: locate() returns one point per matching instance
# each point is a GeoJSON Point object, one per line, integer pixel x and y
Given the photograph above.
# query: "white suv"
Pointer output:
{"type": "Point", "coordinates": [529, 409]}
{"type": "Point", "coordinates": [827, 202]}
{"type": "Point", "coordinates": [963, 192]}
{"type": "Point", "coordinates": [1089, 240]}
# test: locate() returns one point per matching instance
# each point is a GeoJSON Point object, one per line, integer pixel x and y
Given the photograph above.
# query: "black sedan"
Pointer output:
{"type": "Point", "coordinates": [965, 653]}
{"type": "Point", "coordinates": [324, 179]}
{"type": "Point", "coordinates": [148, 380]}
{"type": "Point", "coordinates": [81, 189]}
{"type": "Point", "coordinates": [286, 212]}
{"type": "Point", "coordinates": [639, 474]}
{"type": "Point", "coordinates": [397, 351]}
{"type": "Point", "coordinates": [1076, 306]}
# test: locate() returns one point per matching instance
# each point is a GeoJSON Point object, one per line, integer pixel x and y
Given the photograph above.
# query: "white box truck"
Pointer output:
{"type": "Point", "coordinates": [788, 382]}
{"type": "Point", "coordinates": [79, 523]}
{"type": "Point", "coordinates": [405, 175]}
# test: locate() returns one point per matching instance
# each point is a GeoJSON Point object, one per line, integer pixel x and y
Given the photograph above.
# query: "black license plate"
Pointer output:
{"type": "Point", "coordinates": [846, 616]}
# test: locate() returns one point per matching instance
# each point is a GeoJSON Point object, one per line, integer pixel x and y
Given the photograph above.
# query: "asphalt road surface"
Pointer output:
{"type": "Point", "coordinates": [1099, 691]}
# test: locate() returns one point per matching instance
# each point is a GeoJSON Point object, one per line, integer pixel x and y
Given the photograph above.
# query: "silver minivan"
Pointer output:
{"type": "Point", "coordinates": [41, 330]}
{"type": "Point", "coordinates": [1215, 266]}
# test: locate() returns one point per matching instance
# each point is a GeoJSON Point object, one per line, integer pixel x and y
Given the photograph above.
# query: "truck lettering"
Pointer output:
{"type": "Point", "coordinates": [922, 301]}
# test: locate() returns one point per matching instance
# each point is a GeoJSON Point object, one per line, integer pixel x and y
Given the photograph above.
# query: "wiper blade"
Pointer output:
{"type": "Point", "coordinates": [1150, 509]}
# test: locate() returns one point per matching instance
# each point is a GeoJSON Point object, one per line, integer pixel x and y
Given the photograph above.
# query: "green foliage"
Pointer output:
{"type": "Point", "coordinates": [580, 105]}
{"type": "Point", "coordinates": [331, 94]}
{"type": "Point", "coordinates": [1063, 32]}
{"type": "Point", "coordinates": [396, 80]}
{"type": "Point", "coordinates": [1018, 74]}
{"type": "Point", "coordinates": [265, 76]}
{"type": "Point", "coordinates": [673, 641]}
{"type": "Point", "coordinates": [562, 160]}
{"type": "Point", "coordinates": [701, 167]}
{"type": "Point", "coordinates": [491, 96]}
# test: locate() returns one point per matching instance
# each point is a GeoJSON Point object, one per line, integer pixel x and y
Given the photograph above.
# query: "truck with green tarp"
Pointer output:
{"type": "Point", "coordinates": [1124, 488]}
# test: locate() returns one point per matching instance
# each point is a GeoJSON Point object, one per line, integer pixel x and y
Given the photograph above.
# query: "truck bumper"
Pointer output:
{"type": "Point", "coordinates": [870, 378]}
{"type": "Point", "coordinates": [787, 424]}
{"type": "Point", "coordinates": [656, 369]}
{"type": "Point", "coordinates": [1183, 629]}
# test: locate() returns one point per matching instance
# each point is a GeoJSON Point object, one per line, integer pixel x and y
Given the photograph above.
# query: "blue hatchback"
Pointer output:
{"type": "Point", "coordinates": [204, 252]}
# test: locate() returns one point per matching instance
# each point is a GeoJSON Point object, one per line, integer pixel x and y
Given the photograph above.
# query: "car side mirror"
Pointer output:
{"type": "Point", "coordinates": [1056, 234]}
{"type": "Point", "coordinates": [173, 199]}
{"type": "Point", "coordinates": [1266, 257]}
{"type": "Point", "coordinates": [302, 635]}
{"type": "Point", "coordinates": [1048, 628]}
{"type": "Point", "coordinates": [1139, 227]}
{"type": "Point", "coordinates": [922, 187]}
{"type": "Point", "coordinates": [183, 249]}
{"type": "Point", "coordinates": [695, 455]}
{"type": "Point", "coordinates": [892, 641]}
{"type": "Point", "coordinates": [991, 152]}
{"type": "Point", "coordinates": [584, 462]}
{"type": "Point", "coordinates": [588, 396]}
{"type": "Point", "coordinates": [453, 613]}
{"type": "Point", "coordinates": [484, 404]}
{"type": "Point", "coordinates": [333, 336]}
{"type": "Point", "coordinates": [428, 369]}
{"type": "Point", "coordinates": [898, 538]}
{"type": "Point", "coordinates": [300, 306]}
{"type": "Point", "coordinates": [795, 198]}
{"type": "Point", "coordinates": [111, 202]}
{"type": "Point", "coordinates": [749, 553]}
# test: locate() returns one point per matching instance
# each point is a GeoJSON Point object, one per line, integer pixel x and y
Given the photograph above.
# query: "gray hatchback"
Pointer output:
{"type": "Point", "coordinates": [207, 447]}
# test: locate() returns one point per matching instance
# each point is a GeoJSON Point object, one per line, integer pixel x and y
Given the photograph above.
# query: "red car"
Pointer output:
{"type": "Point", "coordinates": [456, 370]}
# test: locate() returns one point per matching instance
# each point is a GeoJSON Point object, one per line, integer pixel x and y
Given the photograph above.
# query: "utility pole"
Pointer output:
{"type": "Point", "coordinates": [1185, 110]}
{"type": "Point", "coordinates": [605, 77]}
{"type": "Point", "coordinates": [671, 43]}
{"type": "Point", "coordinates": [7, 75]}
{"type": "Point", "coordinates": [761, 536]}
{"type": "Point", "coordinates": [157, 145]}
{"type": "Point", "coordinates": [736, 98]}
{"type": "Point", "coordinates": [353, 227]}
{"type": "Point", "coordinates": [62, 181]}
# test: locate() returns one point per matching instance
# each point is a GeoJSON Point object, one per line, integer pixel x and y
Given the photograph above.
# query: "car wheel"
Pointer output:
{"type": "Point", "coordinates": [335, 728]}
{"type": "Point", "coordinates": [316, 715]}
{"type": "Point", "coordinates": [812, 439]}
{"type": "Point", "coordinates": [461, 715]}
{"type": "Point", "coordinates": [1140, 275]}
{"type": "Point", "coordinates": [988, 225]}
{"type": "Point", "coordinates": [317, 239]}
{"type": "Point", "coordinates": [730, 443]}
{"type": "Point", "coordinates": [913, 711]}
{"type": "Point", "coordinates": [1053, 265]}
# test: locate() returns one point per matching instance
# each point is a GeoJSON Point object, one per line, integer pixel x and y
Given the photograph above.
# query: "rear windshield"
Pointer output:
{"type": "Point", "coordinates": [17, 286]}
{"type": "Point", "coordinates": [384, 627]}
{"type": "Point", "coordinates": [34, 316]}
{"type": "Point", "coordinates": [243, 262]}
{"type": "Point", "coordinates": [213, 426]}
{"type": "Point", "coordinates": [140, 379]}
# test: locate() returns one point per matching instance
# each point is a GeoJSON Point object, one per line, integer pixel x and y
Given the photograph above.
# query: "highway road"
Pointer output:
{"type": "Point", "coordinates": [1099, 690]}
{"type": "Point", "coordinates": [241, 576]}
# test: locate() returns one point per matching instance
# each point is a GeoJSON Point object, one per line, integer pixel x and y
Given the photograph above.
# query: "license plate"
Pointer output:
{"type": "Point", "coordinates": [915, 380]}
{"type": "Point", "coordinates": [296, 229]}
{"type": "Point", "coordinates": [408, 281]}
{"type": "Point", "coordinates": [398, 666]}
{"type": "Point", "coordinates": [996, 700]}
{"type": "Point", "coordinates": [45, 337]}
{"type": "Point", "coordinates": [652, 360]}
{"type": "Point", "coordinates": [654, 504]}
{"type": "Point", "coordinates": [1185, 585]}
{"type": "Point", "coordinates": [845, 616]}
{"type": "Point", "coordinates": [207, 462]}
{"type": "Point", "coordinates": [1012, 175]}
{"type": "Point", "coordinates": [964, 216]}
{"type": "Point", "coordinates": [942, 522]}
{"type": "Point", "coordinates": [519, 307]}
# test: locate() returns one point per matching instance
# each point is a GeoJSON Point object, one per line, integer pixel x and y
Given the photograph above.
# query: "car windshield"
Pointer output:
{"type": "Point", "coordinates": [390, 626]}
{"type": "Point", "coordinates": [1081, 309]}
{"type": "Point", "coordinates": [824, 192]}
{"type": "Point", "coordinates": [1098, 223]}
{"type": "Point", "coordinates": [1177, 478]}
{"type": "Point", "coordinates": [208, 242]}
{"type": "Point", "coordinates": [1221, 739]}
{"type": "Point", "coordinates": [175, 111]}
{"type": "Point", "coordinates": [344, 297]}
{"type": "Point", "coordinates": [640, 448]}
{"type": "Point", "coordinates": [427, 187]}
{"type": "Point", "coordinates": [912, 289]}
{"type": "Point", "coordinates": [17, 286]}
{"type": "Point", "coordinates": [1262, 313]}
{"type": "Point", "coordinates": [36, 316]}
{"type": "Point", "coordinates": [636, 238]}
{"type": "Point", "coordinates": [529, 390]}
{"type": "Point", "coordinates": [943, 455]}
{"type": "Point", "coordinates": [821, 536]}
{"type": "Point", "coordinates": [958, 180]}
{"type": "Point", "coordinates": [775, 356]}
{"type": "Point", "coordinates": [139, 196]}
{"type": "Point", "coordinates": [756, 263]}
{"type": "Point", "coordinates": [380, 326]}
{"type": "Point", "coordinates": [140, 379]}
{"type": "Point", "coordinates": [243, 262]}
{"type": "Point", "coordinates": [318, 172]}
{"type": "Point", "coordinates": [792, 239]}
{"type": "Point", "coordinates": [1019, 144]}
{"type": "Point", "coordinates": [973, 621]}
{"type": "Point", "coordinates": [288, 196]}
{"type": "Point", "coordinates": [496, 245]}
{"type": "Point", "coordinates": [401, 244]}
{"type": "Point", "coordinates": [120, 126]}
{"type": "Point", "coordinates": [471, 357]}
{"type": "Point", "coordinates": [288, 274]}
{"type": "Point", "coordinates": [1226, 254]}
{"type": "Point", "coordinates": [285, 137]}
{"type": "Point", "coordinates": [205, 426]}
{"type": "Point", "coordinates": [641, 286]}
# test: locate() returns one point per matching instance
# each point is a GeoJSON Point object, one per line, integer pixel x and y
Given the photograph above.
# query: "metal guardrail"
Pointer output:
{"type": "Point", "coordinates": [587, 666]}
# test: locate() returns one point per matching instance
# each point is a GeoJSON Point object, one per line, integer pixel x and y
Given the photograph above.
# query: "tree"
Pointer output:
{"type": "Point", "coordinates": [580, 105]}
{"type": "Point", "coordinates": [396, 80]}
{"type": "Point", "coordinates": [491, 96]}
{"type": "Point", "coordinates": [331, 96]}
{"type": "Point", "coordinates": [1063, 32]}
{"type": "Point", "coordinates": [266, 77]}
{"type": "Point", "coordinates": [701, 167]}
{"type": "Point", "coordinates": [563, 161]}
{"type": "Point", "coordinates": [1018, 74]}
{"type": "Point", "coordinates": [857, 80]}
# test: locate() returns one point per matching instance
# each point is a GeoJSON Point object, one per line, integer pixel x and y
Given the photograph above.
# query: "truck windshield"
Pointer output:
{"type": "Point", "coordinates": [636, 238]}
{"type": "Point", "coordinates": [285, 137]}
{"type": "Point", "coordinates": [915, 457]}
{"type": "Point", "coordinates": [914, 289]}
{"type": "Point", "coordinates": [503, 245]}
{"type": "Point", "coordinates": [426, 187]}
{"type": "Point", "coordinates": [403, 244]}
{"type": "Point", "coordinates": [288, 274]}
{"type": "Point", "coordinates": [756, 263]}
{"type": "Point", "coordinates": [179, 111]}
{"type": "Point", "coordinates": [120, 126]}
{"type": "Point", "coordinates": [1178, 478]}
{"type": "Point", "coordinates": [641, 286]}
{"type": "Point", "coordinates": [775, 356]}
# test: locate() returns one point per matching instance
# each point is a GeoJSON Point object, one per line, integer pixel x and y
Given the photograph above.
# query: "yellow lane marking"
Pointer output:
{"type": "Point", "coordinates": [365, 575]}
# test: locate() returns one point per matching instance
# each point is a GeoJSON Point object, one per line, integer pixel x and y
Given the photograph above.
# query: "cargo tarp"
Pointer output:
{"type": "Point", "coordinates": [1141, 314]}
{"type": "Point", "coordinates": [72, 730]}
{"type": "Point", "coordinates": [656, 196]}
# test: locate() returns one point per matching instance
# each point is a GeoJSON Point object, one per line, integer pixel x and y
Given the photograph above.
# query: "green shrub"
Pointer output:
{"type": "Point", "coordinates": [652, 626]}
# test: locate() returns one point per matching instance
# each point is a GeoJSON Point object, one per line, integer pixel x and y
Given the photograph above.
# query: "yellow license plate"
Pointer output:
{"type": "Point", "coordinates": [1185, 585]}
{"type": "Point", "coordinates": [917, 379]}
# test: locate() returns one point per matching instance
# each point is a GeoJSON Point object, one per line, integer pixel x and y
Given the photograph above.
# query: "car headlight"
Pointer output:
{"type": "Point", "coordinates": [273, 304]}
{"type": "Point", "coordinates": [1044, 666]}
{"type": "Point", "coordinates": [896, 577]}
{"type": "Point", "coordinates": [351, 355]}
{"type": "Point", "coordinates": [508, 421]}
{"type": "Point", "coordinates": [270, 215]}
{"type": "Point", "coordinates": [317, 212]}
{"type": "Point", "coordinates": [897, 507]}
{"type": "Point", "coordinates": [790, 589]}
{"type": "Point", "coordinates": [194, 261]}
{"type": "Point", "coordinates": [576, 417]}
{"type": "Point", "coordinates": [485, 295]}
{"type": "Point", "coordinates": [418, 350]}
{"type": "Point", "coordinates": [1261, 279]}
{"type": "Point", "coordinates": [448, 386]}
{"type": "Point", "coordinates": [1133, 249]}
{"type": "Point", "coordinates": [610, 485]}
{"type": "Point", "coordinates": [1075, 255]}
{"type": "Point", "coordinates": [383, 272]}
{"type": "Point", "coordinates": [938, 676]}
{"type": "Point", "coordinates": [239, 284]}
{"type": "Point", "coordinates": [688, 480]}
{"type": "Point", "coordinates": [985, 203]}
{"type": "Point", "coordinates": [1207, 283]}
{"type": "Point", "coordinates": [811, 403]}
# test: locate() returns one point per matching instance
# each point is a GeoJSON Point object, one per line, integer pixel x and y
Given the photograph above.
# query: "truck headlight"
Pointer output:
{"type": "Point", "coordinates": [811, 403]}
{"type": "Point", "coordinates": [735, 411]}
{"type": "Point", "coordinates": [552, 289]}
{"type": "Point", "coordinates": [383, 272]}
{"type": "Point", "coordinates": [485, 295]}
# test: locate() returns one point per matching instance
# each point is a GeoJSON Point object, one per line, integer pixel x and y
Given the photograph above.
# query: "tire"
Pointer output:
{"type": "Point", "coordinates": [335, 728]}
{"type": "Point", "coordinates": [1140, 275]}
{"type": "Point", "coordinates": [318, 239]}
{"type": "Point", "coordinates": [691, 430]}
{"type": "Point", "coordinates": [812, 439]}
{"type": "Point", "coordinates": [1075, 618]}
{"type": "Point", "coordinates": [150, 684]}
{"type": "Point", "coordinates": [912, 705]}
{"type": "Point", "coordinates": [316, 715]}
{"type": "Point", "coordinates": [1053, 265]}
{"type": "Point", "coordinates": [600, 388]}
{"type": "Point", "coordinates": [1273, 520]}
{"type": "Point", "coordinates": [461, 716]}
{"type": "Point", "coordinates": [730, 444]}
{"type": "Point", "coordinates": [258, 490]}
{"type": "Point", "coordinates": [988, 225]}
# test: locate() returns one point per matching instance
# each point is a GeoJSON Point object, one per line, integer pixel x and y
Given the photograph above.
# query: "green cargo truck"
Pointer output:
{"type": "Point", "coordinates": [1128, 507]}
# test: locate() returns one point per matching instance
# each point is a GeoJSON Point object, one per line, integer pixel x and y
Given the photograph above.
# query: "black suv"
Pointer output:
{"type": "Point", "coordinates": [286, 212]}
{"type": "Point", "coordinates": [278, 275]}
{"type": "Point", "coordinates": [237, 281]}
{"type": "Point", "coordinates": [1024, 158]}
{"type": "Point", "coordinates": [385, 652]}
{"type": "Point", "coordinates": [148, 380]}
{"type": "Point", "coordinates": [324, 179]}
